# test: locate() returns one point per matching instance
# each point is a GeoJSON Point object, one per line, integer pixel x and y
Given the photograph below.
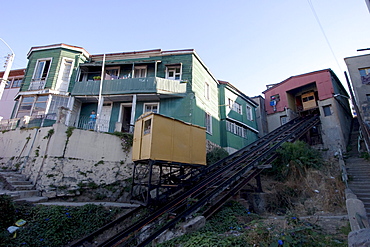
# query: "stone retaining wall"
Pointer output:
{"type": "Point", "coordinates": [59, 160]}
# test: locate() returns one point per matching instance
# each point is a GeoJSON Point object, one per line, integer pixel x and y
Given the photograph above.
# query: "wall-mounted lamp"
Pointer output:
{"type": "Point", "coordinates": [340, 95]}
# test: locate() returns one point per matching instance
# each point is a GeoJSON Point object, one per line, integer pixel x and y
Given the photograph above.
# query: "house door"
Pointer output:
{"type": "Point", "coordinates": [126, 118]}
{"type": "Point", "coordinates": [104, 117]}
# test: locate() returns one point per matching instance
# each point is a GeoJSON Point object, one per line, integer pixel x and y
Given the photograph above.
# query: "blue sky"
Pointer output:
{"type": "Point", "coordinates": [250, 43]}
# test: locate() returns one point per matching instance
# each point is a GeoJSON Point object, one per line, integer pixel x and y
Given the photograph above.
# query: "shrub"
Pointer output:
{"type": "Point", "coordinates": [215, 155]}
{"type": "Point", "coordinates": [294, 159]}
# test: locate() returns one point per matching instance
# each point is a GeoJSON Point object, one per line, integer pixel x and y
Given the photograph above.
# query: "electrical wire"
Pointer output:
{"type": "Point", "coordinates": [323, 32]}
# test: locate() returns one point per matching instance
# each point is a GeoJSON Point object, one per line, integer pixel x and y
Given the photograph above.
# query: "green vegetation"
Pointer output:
{"type": "Point", "coordinates": [233, 225]}
{"type": "Point", "coordinates": [100, 162]}
{"type": "Point", "coordinates": [51, 225]}
{"type": "Point", "coordinates": [215, 155]}
{"type": "Point", "coordinates": [295, 158]}
{"type": "Point", "coordinates": [50, 134]}
{"type": "Point", "coordinates": [7, 211]}
{"type": "Point", "coordinates": [126, 138]}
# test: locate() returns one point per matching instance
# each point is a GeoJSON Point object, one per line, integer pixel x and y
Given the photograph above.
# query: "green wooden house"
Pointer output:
{"type": "Point", "coordinates": [119, 87]}
{"type": "Point", "coordinates": [47, 81]}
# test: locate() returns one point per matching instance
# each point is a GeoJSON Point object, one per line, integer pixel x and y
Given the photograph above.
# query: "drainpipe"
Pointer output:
{"type": "Point", "coordinates": [133, 110]}
{"type": "Point", "coordinates": [71, 102]}
{"type": "Point", "coordinates": [101, 99]}
{"type": "Point", "coordinates": [155, 68]}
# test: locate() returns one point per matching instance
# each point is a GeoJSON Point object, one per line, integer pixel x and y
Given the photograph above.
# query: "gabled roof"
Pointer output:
{"type": "Point", "coordinates": [245, 97]}
{"type": "Point", "coordinates": [61, 45]}
{"type": "Point", "coordinates": [297, 76]}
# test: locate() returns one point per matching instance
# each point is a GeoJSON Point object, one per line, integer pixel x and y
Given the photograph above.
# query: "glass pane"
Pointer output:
{"type": "Point", "coordinates": [27, 100]}
{"type": "Point", "coordinates": [25, 107]}
{"type": "Point", "coordinates": [42, 98]}
{"type": "Point", "coordinates": [39, 69]}
{"type": "Point", "coordinates": [46, 69]}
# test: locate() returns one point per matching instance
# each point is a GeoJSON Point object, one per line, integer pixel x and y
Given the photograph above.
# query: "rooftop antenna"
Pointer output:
{"type": "Point", "coordinates": [8, 65]}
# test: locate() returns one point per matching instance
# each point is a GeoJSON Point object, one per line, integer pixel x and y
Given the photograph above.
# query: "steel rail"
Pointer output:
{"type": "Point", "coordinates": [89, 238]}
{"type": "Point", "coordinates": [211, 175]}
{"type": "Point", "coordinates": [202, 201]}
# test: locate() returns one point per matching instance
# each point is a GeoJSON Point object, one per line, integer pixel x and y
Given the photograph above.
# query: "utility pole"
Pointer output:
{"type": "Point", "coordinates": [8, 66]}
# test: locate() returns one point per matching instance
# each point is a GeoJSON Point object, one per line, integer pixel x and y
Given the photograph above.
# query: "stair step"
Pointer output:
{"type": "Point", "coordinates": [23, 187]}
{"type": "Point", "coordinates": [25, 193]}
{"type": "Point", "coordinates": [35, 199]}
{"type": "Point", "coordinates": [20, 182]}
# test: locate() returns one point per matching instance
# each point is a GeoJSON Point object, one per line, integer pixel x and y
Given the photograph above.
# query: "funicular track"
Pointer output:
{"type": "Point", "coordinates": [210, 189]}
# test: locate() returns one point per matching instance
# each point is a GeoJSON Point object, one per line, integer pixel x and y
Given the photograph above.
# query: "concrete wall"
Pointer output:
{"type": "Point", "coordinates": [335, 128]}
{"type": "Point", "coordinates": [57, 165]}
{"type": "Point", "coordinates": [274, 121]}
{"type": "Point", "coordinates": [360, 90]}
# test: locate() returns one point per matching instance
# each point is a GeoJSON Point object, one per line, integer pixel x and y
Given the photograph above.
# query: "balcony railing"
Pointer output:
{"type": "Point", "coordinates": [100, 125]}
{"type": "Point", "coordinates": [37, 84]}
{"type": "Point", "coordinates": [131, 85]}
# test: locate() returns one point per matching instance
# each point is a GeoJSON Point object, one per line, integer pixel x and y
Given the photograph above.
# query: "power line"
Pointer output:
{"type": "Point", "coordinates": [323, 32]}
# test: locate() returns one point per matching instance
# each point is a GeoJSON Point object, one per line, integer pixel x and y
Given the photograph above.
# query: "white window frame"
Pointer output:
{"type": "Point", "coordinates": [208, 123]}
{"type": "Point", "coordinates": [171, 68]}
{"type": "Point", "coordinates": [37, 64]}
{"type": "Point", "coordinates": [60, 80]}
{"type": "Point", "coordinates": [112, 68]}
{"type": "Point", "coordinates": [206, 90]}
{"type": "Point", "coordinates": [141, 68]}
{"type": "Point", "coordinates": [249, 111]}
{"type": "Point", "coordinates": [236, 129]}
{"type": "Point", "coordinates": [151, 105]}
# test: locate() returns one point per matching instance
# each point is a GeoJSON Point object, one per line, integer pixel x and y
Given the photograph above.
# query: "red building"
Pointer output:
{"type": "Point", "coordinates": [315, 93]}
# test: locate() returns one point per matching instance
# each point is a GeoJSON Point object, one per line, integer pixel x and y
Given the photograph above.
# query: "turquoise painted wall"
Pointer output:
{"type": "Point", "coordinates": [56, 56]}
{"type": "Point", "coordinates": [229, 139]}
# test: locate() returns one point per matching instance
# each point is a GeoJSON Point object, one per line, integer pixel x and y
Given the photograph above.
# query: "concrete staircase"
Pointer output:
{"type": "Point", "coordinates": [19, 188]}
{"type": "Point", "coordinates": [358, 170]}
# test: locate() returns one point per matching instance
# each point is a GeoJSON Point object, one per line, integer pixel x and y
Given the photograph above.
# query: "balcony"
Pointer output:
{"type": "Point", "coordinates": [130, 86]}
{"type": "Point", "coordinates": [37, 84]}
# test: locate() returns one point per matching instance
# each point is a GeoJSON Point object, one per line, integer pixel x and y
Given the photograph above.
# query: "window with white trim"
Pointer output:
{"type": "Point", "coordinates": [64, 75]}
{"type": "Point", "coordinates": [235, 106]}
{"type": "Point", "coordinates": [206, 90]}
{"type": "Point", "coordinates": [208, 123]}
{"type": "Point", "coordinates": [236, 129]}
{"type": "Point", "coordinates": [25, 107]}
{"type": "Point", "coordinates": [151, 107]}
{"type": "Point", "coordinates": [140, 71]}
{"type": "Point", "coordinates": [39, 107]}
{"type": "Point", "coordinates": [173, 72]}
{"type": "Point", "coordinates": [249, 111]}
{"type": "Point", "coordinates": [56, 102]}
{"type": "Point", "coordinates": [17, 82]}
{"type": "Point", "coordinates": [42, 69]}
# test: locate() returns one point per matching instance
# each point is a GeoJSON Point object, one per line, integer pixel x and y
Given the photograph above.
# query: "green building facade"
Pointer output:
{"type": "Point", "coordinates": [120, 87]}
